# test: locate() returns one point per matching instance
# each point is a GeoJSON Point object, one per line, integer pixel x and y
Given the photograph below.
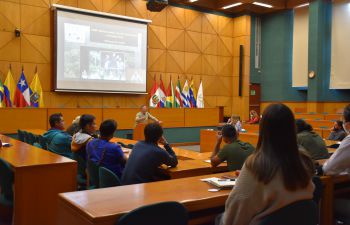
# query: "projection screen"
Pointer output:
{"type": "Point", "coordinates": [99, 52]}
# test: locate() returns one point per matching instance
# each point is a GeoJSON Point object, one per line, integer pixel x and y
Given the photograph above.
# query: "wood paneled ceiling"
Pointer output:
{"type": "Point", "coordinates": [247, 6]}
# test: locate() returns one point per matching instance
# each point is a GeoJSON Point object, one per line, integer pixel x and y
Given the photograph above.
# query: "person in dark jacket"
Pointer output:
{"type": "Point", "coordinates": [146, 157]}
{"type": "Point", "coordinates": [311, 141]}
{"type": "Point", "coordinates": [337, 133]}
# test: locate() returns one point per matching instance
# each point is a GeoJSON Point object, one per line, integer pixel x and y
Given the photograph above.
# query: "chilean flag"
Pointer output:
{"type": "Point", "coordinates": [22, 94]}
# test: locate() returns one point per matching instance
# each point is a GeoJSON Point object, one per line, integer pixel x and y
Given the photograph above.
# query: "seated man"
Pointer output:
{"type": "Point", "coordinates": [339, 162]}
{"type": "Point", "coordinates": [146, 157]}
{"type": "Point", "coordinates": [58, 140]}
{"type": "Point", "coordinates": [310, 141]}
{"type": "Point", "coordinates": [104, 153]}
{"type": "Point", "coordinates": [234, 152]}
{"type": "Point", "coordinates": [337, 132]}
{"type": "Point", "coordinates": [144, 116]}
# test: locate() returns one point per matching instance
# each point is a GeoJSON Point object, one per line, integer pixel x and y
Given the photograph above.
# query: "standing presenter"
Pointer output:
{"type": "Point", "coordinates": [144, 116]}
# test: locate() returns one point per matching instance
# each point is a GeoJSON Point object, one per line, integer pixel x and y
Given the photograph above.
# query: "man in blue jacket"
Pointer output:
{"type": "Point", "coordinates": [57, 139]}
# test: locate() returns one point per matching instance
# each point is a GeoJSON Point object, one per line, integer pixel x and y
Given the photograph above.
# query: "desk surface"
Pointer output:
{"type": "Point", "coordinates": [20, 154]}
{"type": "Point", "coordinates": [109, 204]}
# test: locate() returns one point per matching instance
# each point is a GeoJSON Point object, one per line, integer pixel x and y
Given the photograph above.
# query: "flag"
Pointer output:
{"type": "Point", "coordinates": [170, 95]}
{"type": "Point", "coordinates": [9, 89]}
{"type": "Point", "coordinates": [22, 95]}
{"type": "Point", "coordinates": [192, 92]}
{"type": "Point", "coordinates": [162, 96]}
{"type": "Point", "coordinates": [185, 96]}
{"type": "Point", "coordinates": [177, 100]}
{"type": "Point", "coordinates": [2, 96]}
{"type": "Point", "coordinates": [36, 98]}
{"type": "Point", "coordinates": [200, 97]}
{"type": "Point", "coordinates": [154, 95]}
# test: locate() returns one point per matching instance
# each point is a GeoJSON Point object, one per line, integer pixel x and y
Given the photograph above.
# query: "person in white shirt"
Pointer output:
{"type": "Point", "coordinates": [339, 162]}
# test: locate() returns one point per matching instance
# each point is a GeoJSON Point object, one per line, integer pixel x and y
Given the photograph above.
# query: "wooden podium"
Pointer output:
{"type": "Point", "coordinates": [138, 134]}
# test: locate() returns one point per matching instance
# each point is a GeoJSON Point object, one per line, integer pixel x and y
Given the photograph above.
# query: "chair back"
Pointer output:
{"type": "Point", "coordinates": [42, 141]}
{"type": "Point", "coordinates": [31, 138]}
{"type": "Point", "coordinates": [108, 178]}
{"type": "Point", "coordinates": [21, 135]}
{"type": "Point", "coordinates": [93, 174]}
{"type": "Point", "coordinates": [81, 176]}
{"type": "Point", "coordinates": [6, 181]}
{"type": "Point", "coordinates": [169, 213]}
{"type": "Point", "coordinates": [303, 212]}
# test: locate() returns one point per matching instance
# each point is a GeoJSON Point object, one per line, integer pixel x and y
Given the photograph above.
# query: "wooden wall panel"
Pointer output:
{"type": "Point", "coordinates": [201, 117]}
{"type": "Point", "coordinates": [12, 119]}
{"type": "Point", "coordinates": [182, 42]}
{"type": "Point", "coordinates": [124, 117]}
{"type": "Point", "coordinates": [170, 117]}
{"type": "Point", "coordinates": [70, 114]}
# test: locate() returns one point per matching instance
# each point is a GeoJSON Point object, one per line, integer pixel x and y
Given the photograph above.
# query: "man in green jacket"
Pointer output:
{"type": "Point", "coordinates": [57, 139]}
{"type": "Point", "coordinates": [234, 152]}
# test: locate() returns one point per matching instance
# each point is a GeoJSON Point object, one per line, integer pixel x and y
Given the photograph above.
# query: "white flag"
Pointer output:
{"type": "Point", "coordinates": [200, 97]}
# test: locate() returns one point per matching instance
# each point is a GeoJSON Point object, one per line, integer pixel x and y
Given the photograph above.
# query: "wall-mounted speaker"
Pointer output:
{"type": "Point", "coordinates": [240, 81]}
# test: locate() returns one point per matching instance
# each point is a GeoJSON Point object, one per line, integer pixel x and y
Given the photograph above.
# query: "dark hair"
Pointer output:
{"type": "Point", "coordinates": [153, 131]}
{"type": "Point", "coordinates": [86, 119]}
{"type": "Point", "coordinates": [277, 150]}
{"type": "Point", "coordinates": [346, 113]}
{"type": "Point", "coordinates": [73, 129]}
{"type": "Point", "coordinates": [55, 118]}
{"type": "Point", "coordinates": [301, 126]}
{"type": "Point", "coordinates": [340, 124]}
{"type": "Point", "coordinates": [107, 128]}
{"type": "Point", "coordinates": [229, 131]}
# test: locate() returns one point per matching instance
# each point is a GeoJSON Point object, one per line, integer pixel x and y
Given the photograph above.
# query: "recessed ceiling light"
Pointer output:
{"type": "Point", "coordinates": [193, 0]}
{"type": "Point", "coordinates": [303, 5]}
{"type": "Point", "coordinates": [232, 5]}
{"type": "Point", "coordinates": [262, 4]}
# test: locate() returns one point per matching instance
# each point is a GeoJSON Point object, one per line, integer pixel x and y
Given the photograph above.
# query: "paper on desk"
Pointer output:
{"type": "Point", "coordinates": [4, 144]}
{"type": "Point", "coordinates": [207, 161]}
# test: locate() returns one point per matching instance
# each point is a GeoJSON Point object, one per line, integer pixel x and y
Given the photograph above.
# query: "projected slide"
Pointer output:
{"type": "Point", "coordinates": [100, 54]}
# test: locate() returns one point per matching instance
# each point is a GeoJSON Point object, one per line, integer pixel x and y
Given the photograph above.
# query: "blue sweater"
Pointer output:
{"type": "Point", "coordinates": [144, 162]}
{"type": "Point", "coordinates": [59, 142]}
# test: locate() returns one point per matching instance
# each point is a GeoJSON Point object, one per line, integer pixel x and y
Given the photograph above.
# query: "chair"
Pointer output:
{"type": "Point", "coordinates": [6, 192]}
{"type": "Point", "coordinates": [30, 138]}
{"type": "Point", "coordinates": [169, 213]}
{"type": "Point", "coordinates": [21, 135]}
{"type": "Point", "coordinates": [303, 212]}
{"type": "Point", "coordinates": [342, 210]}
{"type": "Point", "coordinates": [81, 176]}
{"type": "Point", "coordinates": [108, 178]}
{"type": "Point", "coordinates": [93, 174]}
{"type": "Point", "coordinates": [42, 141]}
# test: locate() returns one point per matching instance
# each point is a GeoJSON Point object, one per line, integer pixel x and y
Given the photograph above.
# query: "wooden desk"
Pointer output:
{"type": "Point", "coordinates": [251, 138]}
{"type": "Point", "coordinates": [39, 177]}
{"type": "Point", "coordinates": [138, 132]}
{"type": "Point", "coordinates": [251, 128]}
{"type": "Point", "coordinates": [326, 124]}
{"type": "Point", "coordinates": [190, 163]}
{"type": "Point", "coordinates": [208, 140]}
{"type": "Point", "coordinates": [106, 206]}
{"type": "Point", "coordinates": [37, 132]}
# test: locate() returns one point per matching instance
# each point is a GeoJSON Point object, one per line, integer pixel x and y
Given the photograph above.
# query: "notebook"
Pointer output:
{"type": "Point", "coordinates": [220, 182]}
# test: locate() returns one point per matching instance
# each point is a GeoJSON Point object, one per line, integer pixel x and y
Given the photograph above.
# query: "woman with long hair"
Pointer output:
{"type": "Point", "coordinates": [275, 175]}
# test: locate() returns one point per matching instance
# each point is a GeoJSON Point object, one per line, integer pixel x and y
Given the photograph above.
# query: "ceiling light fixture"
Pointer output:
{"type": "Point", "coordinates": [303, 5]}
{"type": "Point", "coordinates": [262, 4]}
{"type": "Point", "coordinates": [232, 5]}
{"type": "Point", "coordinates": [193, 0]}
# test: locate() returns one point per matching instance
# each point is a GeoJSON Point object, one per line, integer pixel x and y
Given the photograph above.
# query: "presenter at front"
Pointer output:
{"type": "Point", "coordinates": [144, 116]}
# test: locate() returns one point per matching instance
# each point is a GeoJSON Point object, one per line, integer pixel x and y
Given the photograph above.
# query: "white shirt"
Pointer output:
{"type": "Point", "coordinates": [339, 162]}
